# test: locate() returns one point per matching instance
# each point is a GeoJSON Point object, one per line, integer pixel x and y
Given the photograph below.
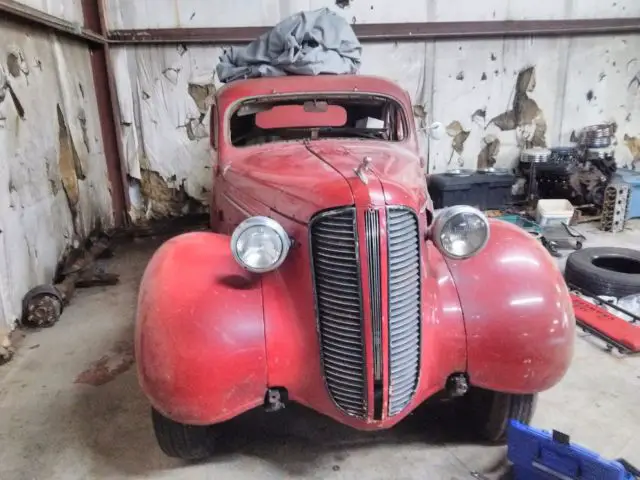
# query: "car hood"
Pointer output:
{"type": "Point", "coordinates": [395, 178]}
{"type": "Point", "coordinates": [290, 179]}
{"type": "Point", "coordinates": [320, 175]}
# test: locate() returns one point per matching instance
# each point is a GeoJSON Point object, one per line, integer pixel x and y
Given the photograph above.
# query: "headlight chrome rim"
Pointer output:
{"type": "Point", "coordinates": [260, 221]}
{"type": "Point", "coordinates": [448, 214]}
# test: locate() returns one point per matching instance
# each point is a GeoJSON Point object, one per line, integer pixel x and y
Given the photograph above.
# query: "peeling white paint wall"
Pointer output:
{"type": "Point", "coordinates": [203, 13]}
{"type": "Point", "coordinates": [54, 188]}
{"type": "Point", "coordinates": [69, 10]}
{"type": "Point", "coordinates": [164, 96]}
{"type": "Point", "coordinates": [573, 82]}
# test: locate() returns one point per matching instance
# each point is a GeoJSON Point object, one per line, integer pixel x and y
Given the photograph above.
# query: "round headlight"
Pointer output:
{"type": "Point", "coordinates": [260, 244]}
{"type": "Point", "coordinates": [460, 231]}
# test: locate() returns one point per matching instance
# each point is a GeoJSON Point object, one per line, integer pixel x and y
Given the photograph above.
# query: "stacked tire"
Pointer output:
{"type": "Point", "coordinates": [604, 271]}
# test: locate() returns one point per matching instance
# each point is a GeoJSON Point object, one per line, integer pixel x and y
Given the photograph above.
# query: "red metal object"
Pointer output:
{"type": "Point", "coordinates": [607, 326]}
{"type": "Point", "coordinates": [519, 321]}
{"type": "Point", "coordinates": [211, 338]}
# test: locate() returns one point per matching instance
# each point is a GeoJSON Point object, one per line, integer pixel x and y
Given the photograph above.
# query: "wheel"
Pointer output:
{"type": "Point", "coordinates": [189, 442]}
{"type": "Point", "coordinates": [491, 412]}
{"type": "Point", "coordinates": [610, 271]}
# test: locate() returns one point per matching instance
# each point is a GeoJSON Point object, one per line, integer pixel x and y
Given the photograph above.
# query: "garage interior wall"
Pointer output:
{"type": "Point", "coordinates": [54, 188]}
{"type": "Point", "coordinates": [493, 96]}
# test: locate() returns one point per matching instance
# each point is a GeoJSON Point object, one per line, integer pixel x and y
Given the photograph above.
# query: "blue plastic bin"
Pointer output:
{"type": "Point", "coordinates": [536, 455]}
{"type": "Point", "coordinates": [632, 178]}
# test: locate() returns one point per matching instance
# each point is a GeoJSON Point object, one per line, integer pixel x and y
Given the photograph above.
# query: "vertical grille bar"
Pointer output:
{"type": "Point", "coordinates": [335, 262]}
{"type": "Point", "coordinates": [404, 306]}
{"type": "Point", "coordinates": [372, 228]}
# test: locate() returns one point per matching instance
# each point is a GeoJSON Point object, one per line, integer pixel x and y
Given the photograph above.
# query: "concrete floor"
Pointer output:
{"type": "Point", "coordinates": [70, 408]}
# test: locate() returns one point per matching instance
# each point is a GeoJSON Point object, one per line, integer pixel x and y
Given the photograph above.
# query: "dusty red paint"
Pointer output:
{"type": "Point", "coordinates": [109, 366]}
{"type": "Point", "coordinates": [211, 338]}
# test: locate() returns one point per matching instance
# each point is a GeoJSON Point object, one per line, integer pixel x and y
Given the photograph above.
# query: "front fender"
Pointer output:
{"type": "Point", "coordinates": [199, 340]}
{"type": "Point", "coordinates": [517, 311]}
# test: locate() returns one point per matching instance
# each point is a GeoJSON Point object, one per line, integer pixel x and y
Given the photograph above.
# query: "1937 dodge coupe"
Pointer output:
{"type": "Point", "coordinates": [328, 279]}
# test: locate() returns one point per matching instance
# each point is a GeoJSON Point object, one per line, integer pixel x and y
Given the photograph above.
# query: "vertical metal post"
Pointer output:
{"type": "Point", "coordinates": [104, 84]}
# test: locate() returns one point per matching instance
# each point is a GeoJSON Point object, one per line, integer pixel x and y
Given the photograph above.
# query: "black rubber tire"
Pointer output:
{"type": "Point", "coordinates": [619, 277]}
{"type": "Point", "coordinates": [492, 411]}
{"type": "Point", "coordinates": [188, 442]}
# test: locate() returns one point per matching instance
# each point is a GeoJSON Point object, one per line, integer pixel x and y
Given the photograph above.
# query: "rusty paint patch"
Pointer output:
{"type": "Point", "coordinates": [633, 144]}
{"type": "Point", "coordinates": [479, 116]}
{"type": "Point", "coordinates": [171, 74]}
{"type": "Point", "coordinates": [459, 135]}
{"type": "Point", "coordinates": [525, 116]}
{"type": "Point", "coordinates": [13, 64]}
{"type": "Point", "coordinates": [69, 163]}
{"type": "Point", "coordinates": [82, 119]}
{"type": "Point", "coordinates": [164, 200]}
{"type": "Point", "coordinates": [54, 179]}
{"type": "Point", "coordinates": [203, 95]}
{"type": "Point", "coordinates": [488, 154]}
{"type": "Point", "coordinates": [117, 361]}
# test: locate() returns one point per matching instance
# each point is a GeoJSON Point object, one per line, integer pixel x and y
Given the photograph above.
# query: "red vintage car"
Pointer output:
{"type": "Point", "coordinates": [328, 279]}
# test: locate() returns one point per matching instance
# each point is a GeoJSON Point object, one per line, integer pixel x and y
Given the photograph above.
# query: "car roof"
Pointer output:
{"type": "Point", "coordinates": [292, 84]}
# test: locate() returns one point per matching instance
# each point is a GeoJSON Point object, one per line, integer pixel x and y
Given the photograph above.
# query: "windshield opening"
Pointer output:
{"type": "Point", "coordinates": [319, 117]}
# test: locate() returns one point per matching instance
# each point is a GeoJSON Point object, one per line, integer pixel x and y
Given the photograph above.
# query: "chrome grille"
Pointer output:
{"type": "Point", "coordinates": [372, 229]}
{"type": "Point", "coordinates": [334, 249]}
{"type": "Point", "coordinates": [404, 306]}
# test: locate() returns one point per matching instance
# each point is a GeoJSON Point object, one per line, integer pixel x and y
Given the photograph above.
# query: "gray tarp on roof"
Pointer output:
{"type": "Point", "coordinates": [308, 43]}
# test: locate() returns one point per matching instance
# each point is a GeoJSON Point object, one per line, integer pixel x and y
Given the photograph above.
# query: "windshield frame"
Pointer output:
{"type": "Point", "coordinates": [235, 106]}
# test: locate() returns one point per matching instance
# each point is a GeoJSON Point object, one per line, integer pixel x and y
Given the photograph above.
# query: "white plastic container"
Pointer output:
{"type": "Point", "coordinates": [553, 212]}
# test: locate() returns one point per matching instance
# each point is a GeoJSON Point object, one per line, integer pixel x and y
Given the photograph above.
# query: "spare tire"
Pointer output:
{"type": "Point", "coordinates": [610, 271]}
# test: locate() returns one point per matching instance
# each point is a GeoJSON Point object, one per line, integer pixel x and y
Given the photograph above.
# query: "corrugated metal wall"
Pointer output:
{"type": "Point", "coordinates": [473, 87]}
{"type": "Point", "coordinates": [53, 177]}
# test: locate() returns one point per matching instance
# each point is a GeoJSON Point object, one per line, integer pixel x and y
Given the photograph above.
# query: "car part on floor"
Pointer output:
{"type": "Point", "coordinates": [562, 236]}
{"type": "Point", "coordinates": [614, 208]}
{"type": "Point", "coordinates": [491, 412]}
{"type": "Point", "coordinates": [631, 178]}
{"type": "Point", "coordinates": [538, 455]}
{"type": "Point", "coordinates": [634, 318]}
{"type": "Point", "coordinates": [614, 331]}
{"type": "Point", "coordinates": [43, 305]}
{"type": "Point", "coordinates": [609, 271]}
{"type": "Point", "coordinates": [188, 442]}
{"type": "Point", "coordinates": [579, 174]}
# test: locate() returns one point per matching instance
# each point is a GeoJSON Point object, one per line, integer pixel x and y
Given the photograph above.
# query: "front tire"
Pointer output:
{"type": "Point", "coordinates": [491, 412]}
{"type": "Point", "coordinates": [188, 442]}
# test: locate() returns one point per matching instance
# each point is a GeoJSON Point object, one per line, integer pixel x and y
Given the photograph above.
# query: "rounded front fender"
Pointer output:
{"type": "Point", "coordinates": [199, 340]}
{"type": "Point", "coordinates": [517, 312]}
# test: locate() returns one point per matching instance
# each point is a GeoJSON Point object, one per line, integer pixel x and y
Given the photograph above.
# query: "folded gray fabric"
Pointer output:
{"type": "Point", "coordinates": [308, 43]}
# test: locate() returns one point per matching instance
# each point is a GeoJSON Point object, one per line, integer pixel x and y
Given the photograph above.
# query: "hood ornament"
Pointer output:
{"type": "Point", "coordinates": [363, 169]}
